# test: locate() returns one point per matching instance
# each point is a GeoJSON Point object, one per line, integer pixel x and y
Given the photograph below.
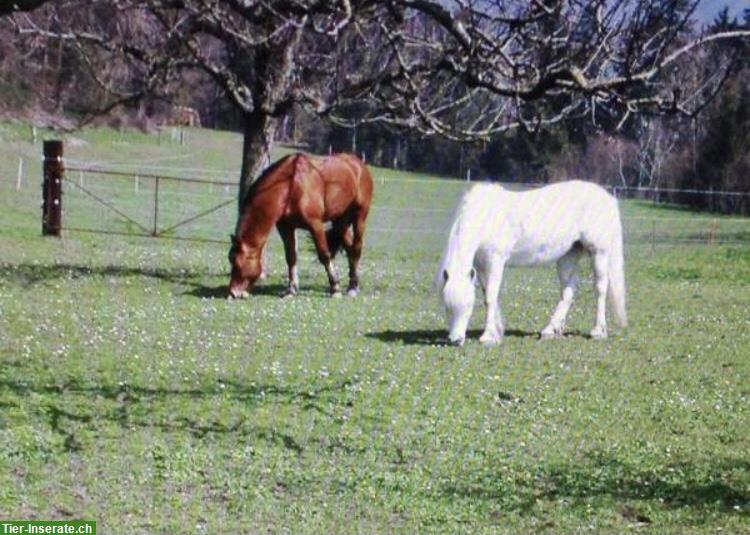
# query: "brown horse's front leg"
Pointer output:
{"type": "Point", "coordinates": [289, 238]}
{"type": "Point", "coordinates": [324, 255]}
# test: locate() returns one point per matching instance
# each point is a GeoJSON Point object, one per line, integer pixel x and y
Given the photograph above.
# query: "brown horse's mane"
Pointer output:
{"type": "Point", "coordinates": [261, 179]}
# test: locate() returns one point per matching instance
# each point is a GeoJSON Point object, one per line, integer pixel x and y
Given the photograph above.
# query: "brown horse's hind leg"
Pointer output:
{"type": "Point", "coordinates": [353, 245]}
{"type": "Point", "coordinates": [263, 265]}
{"type": "Point", "coordinates": [324, 255]}
{"type": "Point", "coordinates": [353, 288]}
{"type": "Point", "coordinates": [290, 251]}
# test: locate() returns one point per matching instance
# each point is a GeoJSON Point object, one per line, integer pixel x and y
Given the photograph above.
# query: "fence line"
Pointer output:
{"type": "Point", "coordinates": [702, 229]}
{"type": "Point", "coordinates": [227, 184]}
{"type": "Point", "coordinates": [108, 172]}
{"type": "Point", "coordinates": [108, 168]}
{"type": "Point", "coordinates": [155, 231]}
{"type": "Point", "coordinates": [120, 165]}
{"type": "Point", "coordinates": [654, 239]}
{"type": "Point", "coordinates": [144, 235]}
{"type": "Point", "coordinates": [143, 190]}
{"type": "Point", "coordinates": [657, 190]}
{"type": "Point", "coordinates": [701, 217]}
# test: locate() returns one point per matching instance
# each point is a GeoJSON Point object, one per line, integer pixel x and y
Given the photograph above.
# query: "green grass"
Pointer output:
{"type": "Point", "coordinates": [132, 393]}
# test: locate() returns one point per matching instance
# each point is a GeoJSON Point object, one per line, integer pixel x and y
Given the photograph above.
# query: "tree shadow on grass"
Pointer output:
{"type": "Point", "coordinates": [711, 485]}
{"type": "Point", "coordinates": [27, 275]}
{"type": "Point", "coordinates": [130, 406]}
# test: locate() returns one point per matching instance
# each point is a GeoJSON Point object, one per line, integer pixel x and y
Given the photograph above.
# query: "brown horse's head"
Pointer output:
{"type": "Point", "coordinates": [246, 268]}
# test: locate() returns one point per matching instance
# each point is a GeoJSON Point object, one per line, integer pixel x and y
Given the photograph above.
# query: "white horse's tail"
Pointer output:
{"type": "Point", "coordinates": [616, 287]}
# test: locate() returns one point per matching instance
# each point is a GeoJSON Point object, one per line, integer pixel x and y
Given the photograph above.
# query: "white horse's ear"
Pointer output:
{"type": "Point", "coordinates": [445, 275]}
{"type": "Point", "coordinates": [472, 274]}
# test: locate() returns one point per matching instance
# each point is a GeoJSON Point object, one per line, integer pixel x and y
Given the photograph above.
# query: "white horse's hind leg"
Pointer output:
{"type": "Point", "coordinates": [601, 280]}
{"type": "Point", "coordinates": [493, 278]}
{"type": "Point", "coordinates": [567, 272]}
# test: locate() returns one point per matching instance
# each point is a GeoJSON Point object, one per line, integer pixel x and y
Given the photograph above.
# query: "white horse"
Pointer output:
{"type": "Point", "coordinates": [494, 227]}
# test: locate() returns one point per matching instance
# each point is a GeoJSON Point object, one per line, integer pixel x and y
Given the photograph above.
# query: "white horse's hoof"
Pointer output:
{"type": "Point", "coordinates": [458, 342]}
{"type": "Point", "coordinates": [352, 292]}
{"type": "Point", "coordinates": [336, 295]}
{"type": "Point", "coordinates": [599, 333]}
{"type": "Point", "coordinates": [550, 332]}
{"type": "Point", "coordinates": [490, 339]}
{"type": "Point", "coordinates": [288, 294]}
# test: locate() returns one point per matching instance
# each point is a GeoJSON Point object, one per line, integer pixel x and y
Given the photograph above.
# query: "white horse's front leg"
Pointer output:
{"type": "Point", "coordinates": [601, 281]}
{"type": "Point", "coordinates": [493, 278]}
{"type": "Point", "coordinates": [567, 272]}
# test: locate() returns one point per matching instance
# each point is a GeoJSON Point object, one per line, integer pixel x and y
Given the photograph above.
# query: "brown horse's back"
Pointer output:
{"type": "Point", "coordinates": [328, 188]}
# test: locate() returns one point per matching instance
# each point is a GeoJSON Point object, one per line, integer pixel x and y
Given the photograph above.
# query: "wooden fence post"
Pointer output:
{"type": "Point", "coordinates": [155, 231]}
{"type": "Point", "coordinates": [19, 177]}
{"type": "Point", "coordinates": [52, 188]}
{"type": "Point", "coordinates": [653, 236]}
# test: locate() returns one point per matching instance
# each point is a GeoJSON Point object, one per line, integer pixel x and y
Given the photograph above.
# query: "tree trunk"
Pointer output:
{"type": "Point", "coordinates": [256, 150]}
{"type": "Point", "coordinates": [273, 66]}
{"type": "Point", "coordinates": [60, 81]}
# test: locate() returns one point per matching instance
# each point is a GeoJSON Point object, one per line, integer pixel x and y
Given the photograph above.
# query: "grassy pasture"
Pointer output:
{"type": "Point", "coordinates": [133, 394]}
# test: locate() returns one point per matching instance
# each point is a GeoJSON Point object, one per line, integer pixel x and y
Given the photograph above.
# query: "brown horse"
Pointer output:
{"type": "Point", "coordinates": [301, 191]}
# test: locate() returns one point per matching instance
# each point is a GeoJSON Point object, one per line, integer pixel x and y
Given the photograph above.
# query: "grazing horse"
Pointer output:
{"type": "Point", "coordinates": [495, 227]}
{"type": "Point", "coordinates": [301, 191]}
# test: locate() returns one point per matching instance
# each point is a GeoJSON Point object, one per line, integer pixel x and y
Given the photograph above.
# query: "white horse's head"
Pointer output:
{"type": "Point", "coordinates": [458, 298]}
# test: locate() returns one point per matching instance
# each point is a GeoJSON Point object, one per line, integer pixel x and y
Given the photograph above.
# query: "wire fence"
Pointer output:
{"type": "Point", "coordinates": [714, 201]}
{"type": "Point", "coordinates": [199, 204]}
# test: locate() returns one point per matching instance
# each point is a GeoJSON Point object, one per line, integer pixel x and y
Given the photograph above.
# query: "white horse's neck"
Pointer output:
{"type": "Point", "coordinates": [462, 248]}
{"type": "Point", "coordinates": [472, 225]}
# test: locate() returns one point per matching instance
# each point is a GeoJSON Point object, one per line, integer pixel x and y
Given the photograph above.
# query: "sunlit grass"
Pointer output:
{"type": "Point", "coordinates": [134, 394]}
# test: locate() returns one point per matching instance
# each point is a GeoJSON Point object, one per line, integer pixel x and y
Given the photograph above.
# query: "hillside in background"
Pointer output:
{"type": "Point", "coordinates": [47, 84]}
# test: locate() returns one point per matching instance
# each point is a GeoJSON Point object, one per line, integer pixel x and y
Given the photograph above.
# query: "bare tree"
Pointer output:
{"type": "Point", "coordinates": [463, 69]}
{"type": "Point", "coordinates": [656, 144]}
